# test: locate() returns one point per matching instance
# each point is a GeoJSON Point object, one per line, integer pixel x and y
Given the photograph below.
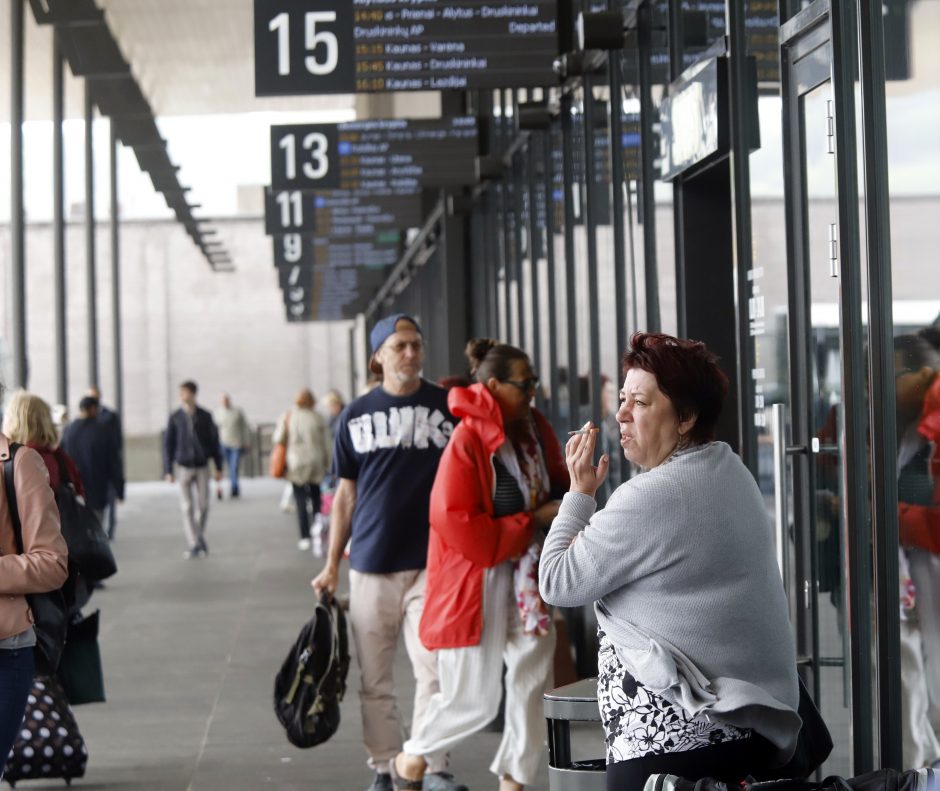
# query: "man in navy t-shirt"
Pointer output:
{"type": "Point", "coordinates": [386, 451]}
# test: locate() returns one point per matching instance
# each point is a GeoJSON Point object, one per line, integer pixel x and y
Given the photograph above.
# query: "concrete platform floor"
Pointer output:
{"type": "Point", "coordinates": [190, 649]}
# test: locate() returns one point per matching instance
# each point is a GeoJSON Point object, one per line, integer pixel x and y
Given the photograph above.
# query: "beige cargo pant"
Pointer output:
{"type": "Point", "coordinates": [383, 607]}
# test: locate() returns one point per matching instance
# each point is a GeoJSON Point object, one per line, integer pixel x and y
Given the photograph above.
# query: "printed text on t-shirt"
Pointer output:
{"type": "Point", "coordinates": [401, 427]}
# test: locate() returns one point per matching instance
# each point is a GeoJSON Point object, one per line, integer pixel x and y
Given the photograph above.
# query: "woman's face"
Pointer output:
{"type": "Point", "coordinates": [649, 427]}
{"type": "Point", "coordinates": [514, 394]}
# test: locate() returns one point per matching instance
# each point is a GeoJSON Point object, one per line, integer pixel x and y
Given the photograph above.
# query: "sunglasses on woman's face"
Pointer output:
{"type": "Point", "coordinates": [525, 385]}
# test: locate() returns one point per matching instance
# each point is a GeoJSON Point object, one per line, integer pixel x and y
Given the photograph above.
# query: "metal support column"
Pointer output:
{"type": "Point", "coordinates": [676, 63]}
{"type": "Point", "coordinates": [116, 278]}
{"type": "Point", "coordinates": [617, 187]}
{"type": "Point", "coordinates": [647, 200]}
{"type": "Point", "coordinates": [535, 232]}
{"type": "Point", "coordinates": [856, 503]}
{"type": "Point", "coordinates": [590, 227]}
{"type": "Point", "coordinates": [741, 225]}
{"type": "Point", "coordinates": [502, 226]}
{"type": "Point", "coordinates": [548, 175]}
{"type": "Point", "coordinates": [571, 284]}
{"type": "Point", "coordinates": [58, 222]}
{"type": "Point", "coordinates": [884, 487]}
{"type": "Point", "coordinates": [518, 187]}
{"type": "Point", "coordinates": [17, 213]}
{"type": "Point", "coordinates": [91, 284]}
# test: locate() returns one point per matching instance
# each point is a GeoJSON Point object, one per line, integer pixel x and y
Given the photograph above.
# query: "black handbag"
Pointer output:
{"type": "Point", "coordinates": [50, 610]}
{"type": "Point", "coordinates": [89, 547]}
{"type": "Point", "coordinates": [80, 669]}
{"type": "Point", "coordinates": [813, 744]}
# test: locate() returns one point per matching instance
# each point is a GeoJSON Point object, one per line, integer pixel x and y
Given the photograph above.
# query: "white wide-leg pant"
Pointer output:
{"type": "Point", "coordinates": [470, 687]}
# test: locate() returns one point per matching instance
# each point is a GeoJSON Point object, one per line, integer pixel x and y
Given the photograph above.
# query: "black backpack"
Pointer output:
{"type": "Point", "coordinates": [312, 681]}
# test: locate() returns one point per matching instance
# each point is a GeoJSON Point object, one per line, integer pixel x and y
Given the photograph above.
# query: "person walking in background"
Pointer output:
{"type": "Point", "coordinates": [304, 431]}
{"type": "Point", "coordinates": [493, 500]}
{"type": "Point", "coordinates": [189, 443]}
{"type": "Point", "coordinates": [388, 445]}
{"type": "Point", "coordinates": [334, 407]}
{"type": "Point", "coordinates": [917, 389]}
{"type": "Point", "coordinates": [112, 421]}
{"type": "Point", "coordinates": [42, 566]}
{"type": "Point", "coordinates": [92, 444]}
{"type": "Point", "coordinates": [234, 436]}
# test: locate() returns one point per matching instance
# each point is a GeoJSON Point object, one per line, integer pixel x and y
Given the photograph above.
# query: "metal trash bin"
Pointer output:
{"type": "Point", "coordinates": [572, 703]}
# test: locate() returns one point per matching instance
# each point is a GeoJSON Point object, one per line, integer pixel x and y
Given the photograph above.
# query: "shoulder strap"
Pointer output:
{"type": "Point", "coordinates": [11, 496]}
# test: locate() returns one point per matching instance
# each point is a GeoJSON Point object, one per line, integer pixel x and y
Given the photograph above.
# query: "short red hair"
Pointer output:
{"type": "Point", "coordinates": [687, 373]}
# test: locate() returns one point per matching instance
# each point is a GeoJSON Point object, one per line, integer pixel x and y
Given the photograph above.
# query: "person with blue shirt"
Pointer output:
{"type": "Point", "coordinates": [386, 451]}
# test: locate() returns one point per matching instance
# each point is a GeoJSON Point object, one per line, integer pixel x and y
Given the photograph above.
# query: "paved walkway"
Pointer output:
{"type": "Point", "coordinates": [190, 650]}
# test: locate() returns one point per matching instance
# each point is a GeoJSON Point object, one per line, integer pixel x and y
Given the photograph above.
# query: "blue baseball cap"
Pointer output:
{"type": "Point", "coordinates": [385, 327]}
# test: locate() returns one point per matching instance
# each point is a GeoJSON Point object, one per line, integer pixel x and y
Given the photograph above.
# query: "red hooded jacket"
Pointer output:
{"type": "Point", "coordinates": [466, 538]}
{"type": "Point", "coordinates": [920, 524]}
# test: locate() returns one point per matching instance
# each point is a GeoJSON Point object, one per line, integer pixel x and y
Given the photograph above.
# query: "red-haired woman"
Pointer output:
{"type": "Point", "coordinates": [697, 664]}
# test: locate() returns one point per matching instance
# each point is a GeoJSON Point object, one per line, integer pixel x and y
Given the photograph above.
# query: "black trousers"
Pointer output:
{"type": "Point", "coordinates": [728, 761]}
{"type": "Point", "coordinates": [304, 494]}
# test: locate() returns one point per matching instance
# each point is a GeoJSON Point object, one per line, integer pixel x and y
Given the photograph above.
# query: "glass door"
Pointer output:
{"type": "Point", "coordinates": [813, 510]}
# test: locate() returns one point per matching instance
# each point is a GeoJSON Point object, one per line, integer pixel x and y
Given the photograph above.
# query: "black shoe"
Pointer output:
{"type": "Point", "coordinates": [441, 781]}
{"type": "Point", "coordinates": [235, 493]}
{"type": "Point", "coordinates": [382, 782]}
{"type": "Point", "coordinates": [191, 553]}
{"type": "Point", "coordinates": [203, 547]}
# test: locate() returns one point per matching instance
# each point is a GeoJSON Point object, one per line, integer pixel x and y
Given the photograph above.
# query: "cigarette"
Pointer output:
{"type": "Point", "coordinates": [582, 431]}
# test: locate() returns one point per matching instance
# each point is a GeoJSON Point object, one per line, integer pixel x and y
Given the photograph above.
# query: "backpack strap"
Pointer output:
{"type": "Point", "coordinates": [10, 487]}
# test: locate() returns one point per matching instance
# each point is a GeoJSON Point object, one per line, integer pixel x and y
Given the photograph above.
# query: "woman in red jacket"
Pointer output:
{"type": "Point", "coordinates": [491, 505]}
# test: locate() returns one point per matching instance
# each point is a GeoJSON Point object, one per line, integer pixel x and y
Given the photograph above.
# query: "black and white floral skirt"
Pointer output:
{"type": "Point", "coordinates": [638, 722]}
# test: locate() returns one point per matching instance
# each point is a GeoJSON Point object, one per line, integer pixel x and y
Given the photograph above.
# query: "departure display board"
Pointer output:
{"type": "Point", "coordinates": [762, 24]}
{"type": "Point", "coordinates": [324, 278]}
{"type": "Point", "coordinates": [344, 46]}
{"type": "Point", "coordinates": [340, 213]}
{"type": "Point", "coordinates": [380, 154]}
{"type": "Point", "coordinates": [325, 293]}
{"type": "Point", "coordinates": [600, 189]}
{"type": "Point", "coordinates": [379, 251]}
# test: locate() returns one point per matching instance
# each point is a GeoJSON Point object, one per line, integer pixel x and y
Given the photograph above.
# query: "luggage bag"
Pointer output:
{"type": "Point", "coordinates": [49, 744]}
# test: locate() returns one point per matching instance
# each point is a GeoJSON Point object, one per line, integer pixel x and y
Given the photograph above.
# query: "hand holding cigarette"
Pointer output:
{"type": "Point", "coordinates": [586, 477]}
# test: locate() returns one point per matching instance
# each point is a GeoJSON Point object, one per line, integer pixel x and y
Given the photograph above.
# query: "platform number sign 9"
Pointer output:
{"type": "Point", "coordinates": [303, 47]}
{"type": "Point", "coordinates": [303, 156]}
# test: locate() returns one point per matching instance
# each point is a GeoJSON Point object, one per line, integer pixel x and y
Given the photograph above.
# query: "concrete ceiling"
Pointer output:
{"type": "Point", "coordinates": [190, 57]}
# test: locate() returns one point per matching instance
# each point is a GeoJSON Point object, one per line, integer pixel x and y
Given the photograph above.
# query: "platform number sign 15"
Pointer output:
{"type": "Point", "coordinates": [303, 156]}
{"type": "Point", "coordinates": [303, 47]}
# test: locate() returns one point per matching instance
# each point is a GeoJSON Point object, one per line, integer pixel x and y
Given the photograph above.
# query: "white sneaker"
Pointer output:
{"type": "Point", "coordinates": [304, 544]}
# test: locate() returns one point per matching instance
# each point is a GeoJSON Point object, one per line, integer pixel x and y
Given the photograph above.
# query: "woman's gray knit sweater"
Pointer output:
{"type": "Point", "coordinates": [682, 568]}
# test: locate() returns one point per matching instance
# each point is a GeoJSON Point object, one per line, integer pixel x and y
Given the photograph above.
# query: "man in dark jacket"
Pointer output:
{"type": "Point", "coordinates": [190, 441]}
{"type": "Point", "coordinates": [93, 448]}
{"type": "Point", "coordinates": [112, 421]}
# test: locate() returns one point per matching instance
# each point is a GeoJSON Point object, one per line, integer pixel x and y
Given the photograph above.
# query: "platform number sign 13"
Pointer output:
{"type": "Point", "coordinates": [303, 47]}
{"type": "Point", "coordinates": [303, 156]}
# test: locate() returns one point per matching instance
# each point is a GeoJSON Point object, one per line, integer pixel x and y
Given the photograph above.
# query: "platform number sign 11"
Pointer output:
{"type": "Point", "coordinates": [303, 47]}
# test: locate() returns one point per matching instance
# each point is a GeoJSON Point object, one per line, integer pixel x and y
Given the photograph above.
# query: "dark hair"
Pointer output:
{"type": "Point", "coordinates": [87, 403]}
{"type": "Point", "coordinates": [918, 352]}
{"type": "Point", "coordinates": [932, 335]}
{"type": "Point", "coordinates": [454, 380]}
{"type": "Point", "coordinates": [687, 373]}
{"type": "Point", "coordinates": [492, 359]}
{"type": "Point", "coordinates": [190, 385]}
